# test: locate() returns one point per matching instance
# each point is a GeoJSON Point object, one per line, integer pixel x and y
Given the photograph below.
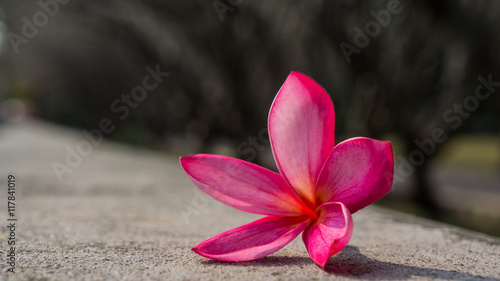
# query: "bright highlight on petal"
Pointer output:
{"type": "Point", "coordinates": [358, 172]}
{"type": "Point", "coordinates": [254, 240]}
{"type": "Point", "coordinates": [319, 186]}
{"type": "Point", "coordinates": [242, 185]}
{"type": "Point", "coordinates": [329, 234]}
{"type": "Point", "coordinates": [301, 130]}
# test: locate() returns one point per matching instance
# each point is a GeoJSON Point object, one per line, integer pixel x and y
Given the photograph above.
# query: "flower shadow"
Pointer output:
{"type": "Point", "coordinates": [353, 264]}
{"type": "Point", "coordinates": [267, 261]}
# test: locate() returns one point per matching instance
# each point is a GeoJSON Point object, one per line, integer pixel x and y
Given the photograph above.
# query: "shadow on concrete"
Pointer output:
{"type": "Point", "coordinates": [352, 263]}
{"type": "Point", "coordinates": [267, 261]}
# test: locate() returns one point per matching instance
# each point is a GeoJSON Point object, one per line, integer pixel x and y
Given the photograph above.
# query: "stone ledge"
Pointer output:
{"type": "Point", "coordinates": [130, 214]}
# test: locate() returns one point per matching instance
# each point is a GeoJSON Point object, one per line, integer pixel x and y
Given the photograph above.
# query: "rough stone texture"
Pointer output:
{"type": "Point", "coordinates": [130, 214]}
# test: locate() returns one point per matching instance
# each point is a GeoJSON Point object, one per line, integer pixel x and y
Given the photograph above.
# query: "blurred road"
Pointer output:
{"type": "Point", "coordinates": [470, 197]}
{"type": "Point", "coordinates": [478, 193]}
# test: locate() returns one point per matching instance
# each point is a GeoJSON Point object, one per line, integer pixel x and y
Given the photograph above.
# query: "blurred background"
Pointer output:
{"type": "Point", "coordinates": [422, 74]}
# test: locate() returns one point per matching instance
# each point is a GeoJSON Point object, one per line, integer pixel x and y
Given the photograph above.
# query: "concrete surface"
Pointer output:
{"type": "Point", "coordinates": [130, 214]}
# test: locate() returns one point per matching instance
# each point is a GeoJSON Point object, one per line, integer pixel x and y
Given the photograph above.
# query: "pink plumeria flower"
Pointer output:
{"type": "Point", "coordinates": [318, 187]}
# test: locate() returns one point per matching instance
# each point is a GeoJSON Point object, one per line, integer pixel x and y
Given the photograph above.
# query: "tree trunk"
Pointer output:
{"type": "Point", "coordinates": [424, 194]}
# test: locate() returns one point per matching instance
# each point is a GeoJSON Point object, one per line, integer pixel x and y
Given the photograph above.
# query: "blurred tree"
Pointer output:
{"type": "Point", "coordinates": [224, 73]}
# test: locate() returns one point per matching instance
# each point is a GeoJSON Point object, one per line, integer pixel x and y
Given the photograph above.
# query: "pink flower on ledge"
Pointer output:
{"type": "Point", "coordinates": [318, 188]}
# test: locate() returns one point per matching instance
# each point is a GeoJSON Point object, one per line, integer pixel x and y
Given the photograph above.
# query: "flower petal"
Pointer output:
{"type": "Point", "coordinates": [243, 185]}
{"type": "Point", "coordinates": [254, 240]}
{"type": "Point", "coordinates": [301, 130]}
{"type": "Point", "coordinates": [329, 234]}
{"type": "Point", "coordinates": [358, 172]}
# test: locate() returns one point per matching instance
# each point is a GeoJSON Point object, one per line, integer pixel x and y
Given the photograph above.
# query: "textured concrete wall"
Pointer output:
{"type": "Point", "coordinates": [129, 214]}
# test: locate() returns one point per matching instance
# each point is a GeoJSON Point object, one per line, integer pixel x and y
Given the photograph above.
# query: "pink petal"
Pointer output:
{"type": "Point", "coordinates": [358, 172]}
{"type": "Point", "coordinates": [254, 240]}
{"type": "Point", "coordinates": [329, 234]}
{"type": "Point", "coordinates": [301, 130]}
{"type": "Point", "coordinates": [243, 185]}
